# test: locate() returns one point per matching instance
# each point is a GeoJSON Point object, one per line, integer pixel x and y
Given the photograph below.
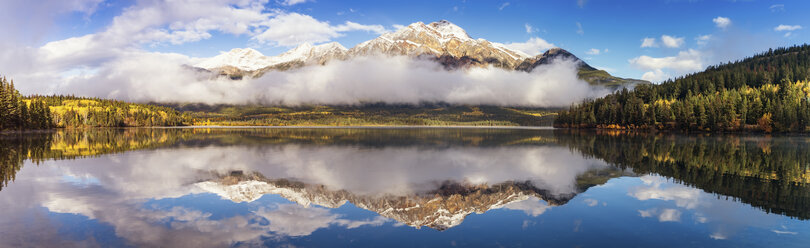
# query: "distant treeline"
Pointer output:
{"type": "Point", "coordinates": [370, 114]}
{"type": "Point", "coordinates": [767, 92]}
{"type": "Point", "coordinates": [70, 111]}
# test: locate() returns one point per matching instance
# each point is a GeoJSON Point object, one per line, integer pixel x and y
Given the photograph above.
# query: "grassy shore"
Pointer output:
{"type": "Point", "coordinates": [366, 115]}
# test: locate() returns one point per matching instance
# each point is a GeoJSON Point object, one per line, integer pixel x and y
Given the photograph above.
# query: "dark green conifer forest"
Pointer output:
{"type": "Point", "coordinates": [768, 92]}
{"type": "Point", "coordinates": [18, 113]}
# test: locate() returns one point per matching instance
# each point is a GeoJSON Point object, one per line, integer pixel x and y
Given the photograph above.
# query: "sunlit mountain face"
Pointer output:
{"type": "Point", "coordinates": [408, 186]}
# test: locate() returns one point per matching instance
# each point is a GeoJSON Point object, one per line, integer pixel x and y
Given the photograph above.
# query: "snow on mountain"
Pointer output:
{"type": "Point", "coordinates": [243, 58]}
{"type": "Point", "coordinates": [437, 38]}
{"type": "Point", "coordinates": [449, 30]}
{"type": "Point", "coordinates": [248, 59]}
{"type": "Point", "coordinates": [440, 38]}
{"type": "Point", "coordinates": [516, 54]}
{"type": "Point", "coordinates": [442, 41]}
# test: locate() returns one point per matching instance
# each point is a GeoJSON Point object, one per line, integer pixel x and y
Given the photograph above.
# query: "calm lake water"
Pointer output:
{"type": "Point", "coordinates": [401, 187]}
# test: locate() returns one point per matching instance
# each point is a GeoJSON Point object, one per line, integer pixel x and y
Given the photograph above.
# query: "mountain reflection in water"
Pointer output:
{"type": "Point", "coordinates": [148, 185]}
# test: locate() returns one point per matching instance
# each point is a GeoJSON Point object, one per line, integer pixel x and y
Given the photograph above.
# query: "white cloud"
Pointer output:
{"type": "Point", "coordinates": [784, 232]}
{"type": "Point", "coordinates": [292, 2]}
{"type": "Point", "coordinates": [669, 215]}
{"type": "Point", "coordinates": [168, 22]}
{"type": "Point", "coordinates": [504, 5]}
{"type": "Point", "coordinates": [529, 28]}
{"type": "Point", "coordinates": [591, 202]}
{"type": "Point", "coordinates": [291, 29]}
{"type": "Point", "coordinates": [788, 28]}
{"type": "Point", "coordinates": [783, 27]}
{"type": "Point", "coordinates": [777, 7]}
{"type": "Point", "coordinates": [722, 217]}
{"type": "Point", "coordinates": [648, 42]}
{"type": "Point", "coordinates": [173, 22]}
{"type": "Point", "coordinates": [533, 206]}
{"type": "Point", "coordinates": [656, 75]}
{"type": "Point", "coordinates": [147, 77]}
{"type": "Point", "coordinates": [352, 26]}
{"type": "Point", "coordinates": [29, 21]}
{"type": "Point", "coordinates": [686, 61]}
{"type": "Point", "coordinates": [671, 42]}
{"type": "Point", "coordinates": [580, 31]}
{"type": "Point", "coordinates": [581, 3]}
{"type": "Point", "coordinates": [534, 46]}
{"type": "Point", "coordinates": [703, 39]}
{"type": "Point", "coordinates": [665, 215]}
{"type": "Point", "coordinates": [684, 197]}
{"type": "Point", "coordinates": [722, 22]}
{"type": "Point", "coordinates": [295, 220]}
{"type": "Point", "coordinates": [592, 51]}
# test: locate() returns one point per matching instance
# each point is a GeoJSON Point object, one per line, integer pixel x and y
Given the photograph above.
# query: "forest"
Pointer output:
{"type": "Point", "coordinates": [19, 112]}
{"type": "Point", "coordinates": [73, 112]}
{"type": "Point", "coordinates": [769, 92]}
{"type": "Point", "coordinates": [769, 172]}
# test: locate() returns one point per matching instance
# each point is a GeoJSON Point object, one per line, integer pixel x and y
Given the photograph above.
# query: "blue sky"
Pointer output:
{"type": "Point", "coordinates": [615, 28]}
{"type": "Point", "coordinates": [653, 40]}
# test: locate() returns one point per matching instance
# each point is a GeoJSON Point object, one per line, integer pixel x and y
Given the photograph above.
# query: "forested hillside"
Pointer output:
{"type": "Point", "coordinates": [42, 112]}
{"type": "Point", "coordinates": [69, 111]}
{"type": "Point", "coordinates": [767, 92]}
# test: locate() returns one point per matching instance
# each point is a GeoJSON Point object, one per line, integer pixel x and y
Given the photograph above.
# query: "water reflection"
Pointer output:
{"type": "Point", "coordinates": [246, 187]}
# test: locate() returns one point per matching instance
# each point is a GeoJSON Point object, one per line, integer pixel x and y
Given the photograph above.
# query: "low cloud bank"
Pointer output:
{"type": "Point", "coordinates": [158, 77]}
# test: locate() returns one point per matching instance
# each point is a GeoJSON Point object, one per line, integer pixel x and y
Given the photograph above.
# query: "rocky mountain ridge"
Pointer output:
{"type": "Point", "coordinates": [442, 208]}
{"type": "Point", "coordinates": [442, 41]}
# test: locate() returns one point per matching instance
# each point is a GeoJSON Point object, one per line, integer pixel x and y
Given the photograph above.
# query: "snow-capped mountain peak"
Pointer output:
{"type": "Point", "coordinates": [329, 48]}
{"type": "Point", "coordinates": [441, 41]}
{"type": "Point", "coordinates": [242, 58]}
{"type": "Point", "coordinates": [300, 52]}
{"type": "Point", "coordinates": [248, 59]}
{"type": "Point", "coordinates": [441, 38]}
{"type": "Point", "coordinates": [448, 29]}
{"type": "Point", "coordinates": [313, 54]}
{"type": "Point", "coordinates": [443, 31]}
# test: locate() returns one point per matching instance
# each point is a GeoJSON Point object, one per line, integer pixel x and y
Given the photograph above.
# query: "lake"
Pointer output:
{"type": "Point", "coordinates": [401, 187]}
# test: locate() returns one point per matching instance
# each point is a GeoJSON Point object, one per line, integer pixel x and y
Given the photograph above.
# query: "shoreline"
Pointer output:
{"type": "Point", "coordinates": [361, 127]}
{"type": "Point", "coordinates": [33, 131]}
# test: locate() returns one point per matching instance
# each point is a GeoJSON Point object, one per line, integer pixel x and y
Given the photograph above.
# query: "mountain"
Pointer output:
{"type": "Point", "coordinates": [244, 59]}
{"type": "Point", "coordinates": [441, 208]}
{"type": "Point", "coordinates": [239, 63]}
{"type": "Point", "coordinates": [442, 41]}
{"type": "Point", "coordinates": [446, 42]}
{"type": "Point", "coordinates": [586, 72]}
